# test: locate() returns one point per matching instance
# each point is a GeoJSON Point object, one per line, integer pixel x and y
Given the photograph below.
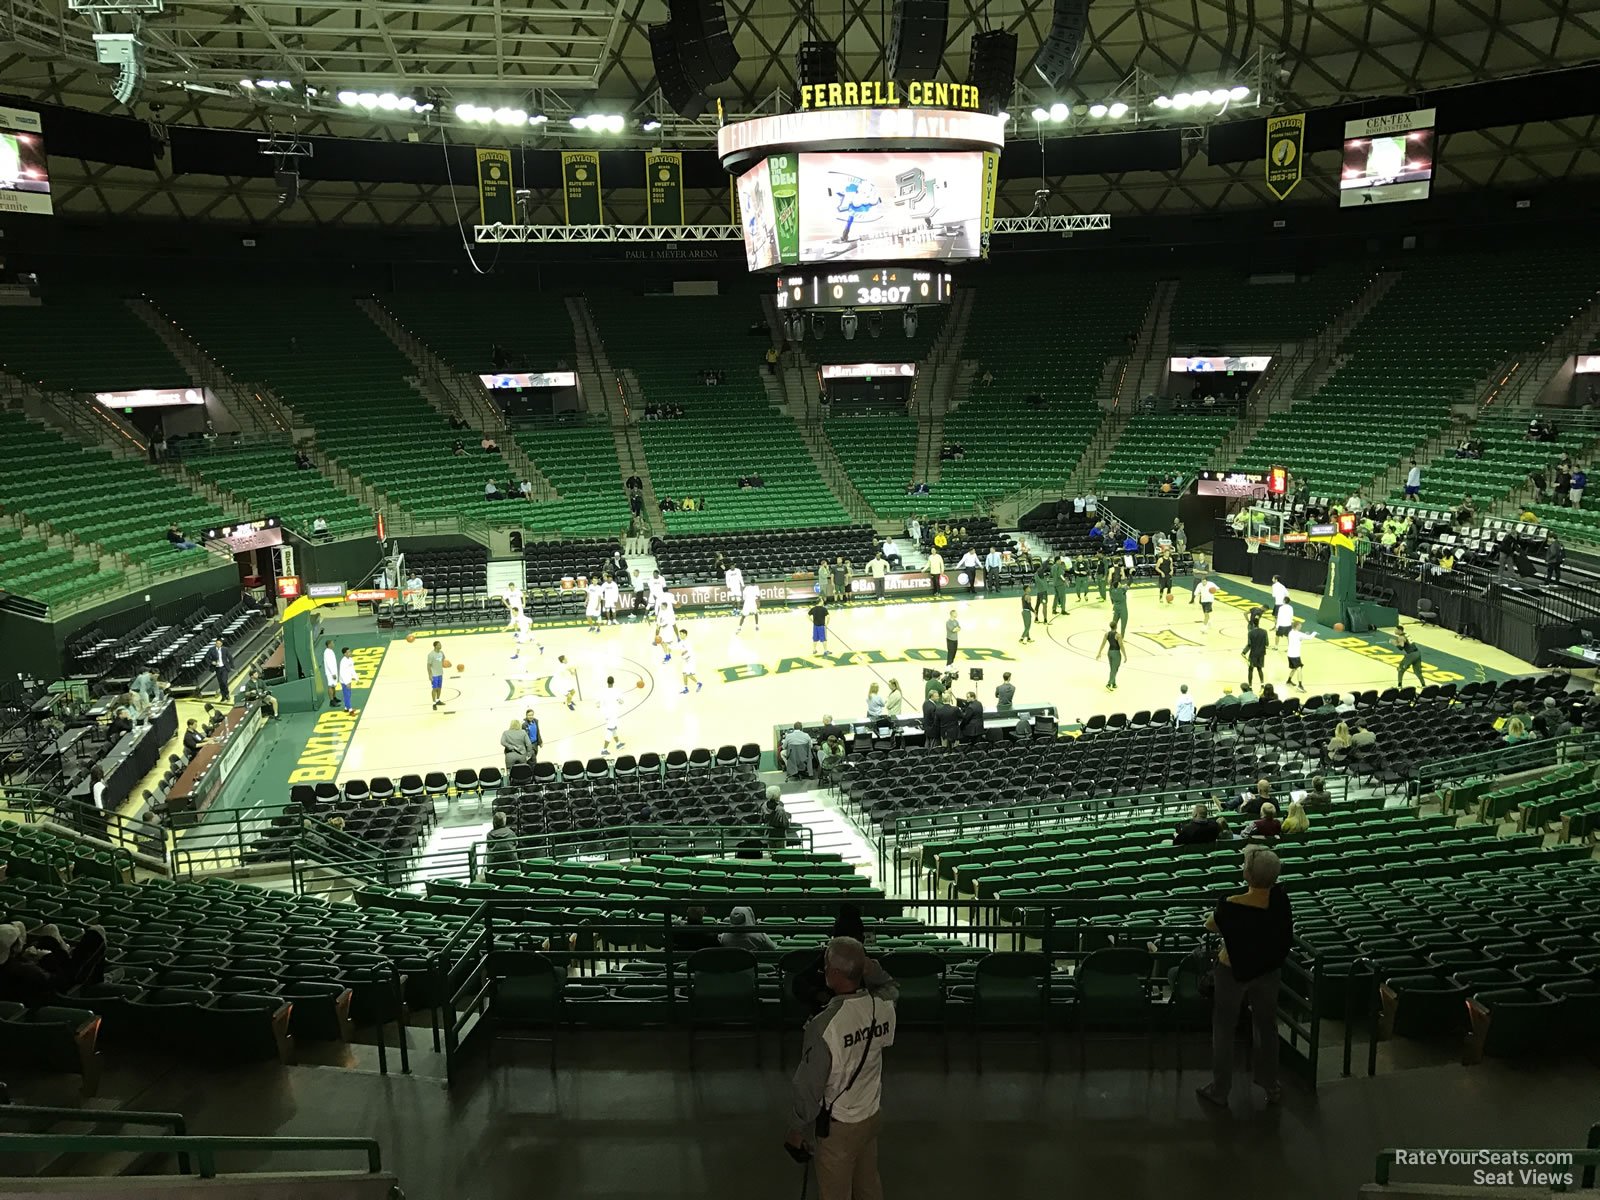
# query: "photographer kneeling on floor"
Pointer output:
{"type": "Point", "coordinates": [839, 1081]}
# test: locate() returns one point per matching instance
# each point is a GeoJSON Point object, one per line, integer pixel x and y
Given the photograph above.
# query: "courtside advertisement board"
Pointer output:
{"type": "Point", "coordinates": [1387, 159]}
{"type": "Point", "coordinates": [24, 172]}
{"type": "Point", "coordinates": [882, 206]}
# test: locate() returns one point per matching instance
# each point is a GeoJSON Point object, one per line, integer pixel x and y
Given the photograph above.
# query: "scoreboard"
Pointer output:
{"type": "Point", "coordinates": [868, 287]}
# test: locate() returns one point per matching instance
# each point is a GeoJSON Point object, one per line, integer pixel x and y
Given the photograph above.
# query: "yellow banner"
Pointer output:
{"type": "Point", "coordinates": [991, 186]}
{"type": "Point", "coordinates": [580, 187]}
{"type": "Point", "coordinates": [497, 203]}
{"type": "Point", "coordinates": [663, 187]}
{"type": "Point", "coordinates": [1286, 144]}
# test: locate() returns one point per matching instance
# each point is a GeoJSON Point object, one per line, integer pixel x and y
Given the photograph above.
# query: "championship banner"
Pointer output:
{"type": "Point", "coordinates": [1286, 141]}
{"type": "Point", "coordinates": [580, 187]}
{"type": "Point", "coordinates": [991, 185]}
{"type": "Point", "coordinates": [784, 178]}
{"type": "Point", "coordinates": [663, 187]}
{"type": "Point", "coordinates": [497, 203]}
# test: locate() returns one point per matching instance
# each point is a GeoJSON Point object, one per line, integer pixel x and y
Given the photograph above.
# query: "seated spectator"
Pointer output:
{"type": "Point", "coordinates": [1200, 827]}
{"type": "Point", "coordinates": [830, 760]}
{"type": "Point", "coordinates": [501, 851]}
{"type": "Point", "coordinates": [744, 934]}
{"type": "Point", "coordinates": [491, 490]}
{"type": "Point", "coordinates": [488, 445]}
{"type": "Point", "coordinates": [255, 690]}
{"type": "Point", "coordinates": [459, 449]}
{"type": "Point", "coordinates": [302, 461]}
{"type": "Point", "coordinates": [1515, 731]}
{"type": "Point", "coordinates": [37, 968]}
{"type": "Point", "coordinates": [1296, 822]}
{"type": "Point", "coordinates": [1267, 825]}
{"type": "Point", "coordinates": [1363, 738]}
{"type": "Point", "coordinates": [798, 751]}
{"type": "Point", "coordinates": [1250, 803]}
{"type": "Point", "coordinates": [319, 530]}
{"type": "Point", "coordinates": [692, 931]}
{"type": "Point", "coordinates": [1340, 743]}
{"type": "Point", "coordinates": [1550, 721]}
{"type": "Point", "coordinates": [175, 536]}
{"type": "Point", "coordinates": [525, 489]}
{"type": "Point", "coordinates": [193, 739]}
{"type": "Point", "coordinates": [1316, 798]}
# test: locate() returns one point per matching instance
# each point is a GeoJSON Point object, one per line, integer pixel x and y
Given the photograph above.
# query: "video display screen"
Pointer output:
{"type": "Point", "coordinates": [759, 214]}
{"type": "Point", "coordinates": [1387, 159]}
{"type": "Point", "coordinates": [861, 207]}
{"type": "Point", "coordinates": [521, 380]}
{"type": "Point", "coordinates": [24, 172]}
{"type": "Point", "coordinates": [1212, 363]}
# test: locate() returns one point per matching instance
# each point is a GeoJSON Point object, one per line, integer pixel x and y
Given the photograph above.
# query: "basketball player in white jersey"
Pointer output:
{"type": "Point", "coordinates": [666, 631]}
{"type": "Point", "coordinates": [610, 598]}
{"type": "Point", "coordinates": [751, 607]}
{"type": "Point", "coordinates": [686, 663]}
{"type": "Point", "coordinates": [512, 599]}
{"type": "Point", "coordinates": [591, 605]}
{"type": "Point", "coordinates": [733, 580]}
{"type": "Point", "coordinates": [564, 683]}
{"type": "Point", "coordinates": [658, 592]}
{"type": "Point", "coordinates": [521, 632]}
{"type": "Point", "coordinates": [610, 714]}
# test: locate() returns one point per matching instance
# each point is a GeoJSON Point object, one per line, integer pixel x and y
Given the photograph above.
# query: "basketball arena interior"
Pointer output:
{"type": "Point", "coordinates": [548, 553]}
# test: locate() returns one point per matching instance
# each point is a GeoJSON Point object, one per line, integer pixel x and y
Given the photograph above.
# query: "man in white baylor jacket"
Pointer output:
{"type": "Point", "coordinates": [841, 1071]}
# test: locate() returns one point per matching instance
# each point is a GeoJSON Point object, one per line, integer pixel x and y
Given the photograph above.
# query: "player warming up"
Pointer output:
{"type": "Point", "coordinates": [1296, 664]}
{"type": "Point", "coordinates": [733, 580]}
{"type": "Point", "coordinates": [666, 628]}
{"type": "Point", "coordinates": [564, 683]}
{"type": "Point", "coordinates": [751, 607]}
{"type": "Point", "coordinates": [522, 632]}
{"type": "Point", "coordinates": [1205, 594]}
{"type": "Point", "coordinates": [686, 663]}
{"type": "Point", "coordinates": [611, 713]}
{"type": "Point", "coordinates": [610, 600]}
{"type": "Point", "coordinates": [591, 605]}
{"type": "Point", "coordinates": [436, 665]}
{"type": "Point", "coordinates": [512, 599]}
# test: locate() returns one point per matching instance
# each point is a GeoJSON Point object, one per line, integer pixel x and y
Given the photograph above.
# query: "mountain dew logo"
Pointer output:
{"type": "Point", "coordinates": [783, 173]}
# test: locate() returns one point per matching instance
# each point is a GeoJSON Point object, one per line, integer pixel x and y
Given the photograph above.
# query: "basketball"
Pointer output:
{"type": "Point", "coordinates": [1338, 626]}
{"type": "Point", "coordinates": [411, 637]}
{"type": "Point", "coordinates": [447, 664]}
{"type": "Point", "coordinates": [460, 667]}
{"type": "Point", "coordinates": [640, 684]}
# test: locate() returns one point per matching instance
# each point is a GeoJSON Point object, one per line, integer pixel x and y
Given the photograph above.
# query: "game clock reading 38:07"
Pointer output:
{"type": "Point", "coordinates": [870, 287]}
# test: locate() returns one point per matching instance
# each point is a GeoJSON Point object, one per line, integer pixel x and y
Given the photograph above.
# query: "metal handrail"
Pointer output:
{"type": "Point", "coordinates": [1504, 760]}
{"type": "Point", "coordinates": [132, 836]}
{"type": "Point", "coordinates": [204, 1149]}
{"type": "Point", "coordinates": [95, 1116]}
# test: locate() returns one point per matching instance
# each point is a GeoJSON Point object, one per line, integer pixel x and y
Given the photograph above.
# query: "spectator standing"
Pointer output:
{"type": "Point", "coordinates": [893, 701]}
{"type": "Point", "coordinates": [500, 852]}
{"type": "Point", "coordinates": [518, 749]}
{"type": "Point", "coordinates": [819, 627]}
{"type": "Point", "coordinates": [1257, 929]}
{"type": "Point", "coordinates": [347, 680]}
{"type": "Point", "coordinates": [1413, 481]}
{"type": "Point", "coordinates": [936, 570]}
{"type": "Point", "coordinates": [1183, 710]}
{"type": "Point", "coordinates": [875, 703]}
{"type": "Point", "coordinates": [1006, 694]}
{"type": "Point", "coordinates": [878, 570]}
{"type": "Point", "coordinates": [1579, 481]}
{"type": "Point", "coordinates": [841, 1073]}
{"type": "Point", "coordinates": [952, 635]}
{"type": "Point", "coordinates": [221, 662]}
{"type": "Point", "coordinates": [1554, 555]}
{"type": "Point", "coordinates": [1027, 613]}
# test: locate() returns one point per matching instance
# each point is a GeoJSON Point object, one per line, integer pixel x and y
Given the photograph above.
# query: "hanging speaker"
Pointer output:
{"type": "Point", "coordinates": [817, 62]}
{"type": "Point", "coordinates": [1058, 54]}
{"type": "Point", "coordinates": [992, 68]}
{"type": "Point", "coordinates": [917, 37]}
{"type": "Point", "coordinates": [705, 47]}
{"type": "Point", "coordinates": [288, 182]}
{"type": "Point", "coordinates": [686, 100]}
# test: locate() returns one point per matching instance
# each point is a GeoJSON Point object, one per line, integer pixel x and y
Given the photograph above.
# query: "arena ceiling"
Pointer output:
{"type": "Point", "coordinates": [563, 56]}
